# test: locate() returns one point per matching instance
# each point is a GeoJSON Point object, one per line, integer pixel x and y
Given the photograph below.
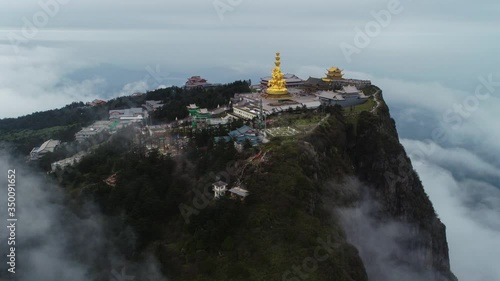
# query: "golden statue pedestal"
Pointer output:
{"type": "Point", "coordinates": [277, 91]}
{"type": "Point", "coordinates": [277, 97]}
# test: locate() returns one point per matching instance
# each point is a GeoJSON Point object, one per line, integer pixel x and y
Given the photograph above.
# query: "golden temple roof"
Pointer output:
{"type": "Point", "coordinates": [334, 69]}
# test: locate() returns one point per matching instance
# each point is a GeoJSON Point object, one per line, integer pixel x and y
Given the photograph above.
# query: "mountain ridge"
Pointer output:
{"type": "Point", "coordinates": [302, 197]}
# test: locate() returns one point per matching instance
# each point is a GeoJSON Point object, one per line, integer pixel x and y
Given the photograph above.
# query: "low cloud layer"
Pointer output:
{"type": "Point", "coordinates": [34, 80]}
{"type": "Point", "coordinates": [55, 241]}
{"type": "Point", "coordinates": [455, 159]}
{"type": "Point", "coordinates": [380, 245]}
{"type": "Point", "coordinates": [470, 208]}
{"type": "Point", "coordinates": [461, 172]}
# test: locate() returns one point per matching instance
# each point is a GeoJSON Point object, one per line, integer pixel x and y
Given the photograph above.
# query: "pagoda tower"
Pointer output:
{"type": "Point", "coordinates": [334, 74]}
{"type": "Point", "coordinates": [276, 87]}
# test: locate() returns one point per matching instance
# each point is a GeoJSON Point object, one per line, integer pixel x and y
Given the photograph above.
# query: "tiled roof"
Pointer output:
{"type": "Point", "coordinates": [220, 184]}
{"type": "Point", "coordinates": [239, 191]}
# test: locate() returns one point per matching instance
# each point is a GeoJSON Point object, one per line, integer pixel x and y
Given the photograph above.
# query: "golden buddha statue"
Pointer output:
{"type": "Point", "coordinates": [277, 85]}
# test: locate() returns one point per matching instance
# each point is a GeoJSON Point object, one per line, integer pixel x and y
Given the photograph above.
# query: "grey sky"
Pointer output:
{"type": "Point", "coordinates": [426, 60]}
{"type": "Point", "coordinates": [442, 41]}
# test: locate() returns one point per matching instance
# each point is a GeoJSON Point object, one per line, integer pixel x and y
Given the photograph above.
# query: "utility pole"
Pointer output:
{"type": "Point", "coordinates": [261, 115]}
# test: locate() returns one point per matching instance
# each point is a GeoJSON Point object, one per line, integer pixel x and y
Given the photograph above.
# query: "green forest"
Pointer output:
{"type": "Point", "coordinates": [23, 133]}
{"type": "Point", "coordinates": [194, 237]}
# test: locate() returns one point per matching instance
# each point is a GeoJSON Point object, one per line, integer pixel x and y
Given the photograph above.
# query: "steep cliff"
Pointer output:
{"type": "Point", "coordinates": [367, 148]}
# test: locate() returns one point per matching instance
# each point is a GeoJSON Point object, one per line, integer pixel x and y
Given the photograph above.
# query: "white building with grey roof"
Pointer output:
{"type": "Point", "coordinates": [48, 146]}
{"type": "Point", "coordinates": [135, 113]}
{"type": "Point", "coordinates": [347, 96]}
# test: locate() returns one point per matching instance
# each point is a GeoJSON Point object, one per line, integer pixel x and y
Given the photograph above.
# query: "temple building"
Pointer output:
{"type": "Point", "coordinates": [245, 113]}
{"type": "Point", "coordinates": [135, 113]}
{"type": "Point", "coordinates": [350, 90]}
{"type": "Point", "coordinates": [292, 81]}
{"type": "Point", "coordinates": [193, 109]}
{"type": "Point", "coordinates": [334, 80]}
{"type": "Point", "coordinates": [238, 193]}
{"type": "Point", "coordinates": [94, 130]}
{"type": "Point", "coordinates": [347, 96]}
{"type": "Point", "coordinates": [245, 133]}
{"type": "Point", "coordinates": [334, 74]}
{"type": "Point", "coordinates": [219, 189]}
{"type": "Point", "coordinates": [316, 84]}
{"type": "Point", "coordinates": [153, 105]}
{"type": "Point", "coordinates": [48, 146]}
{"type": "Point", "coordinates": [197, 82]}
{"type": "Point", "coordinates": [96, 102]}
{"type": "Point", "coordinates": [198, 115]}
{"type": "Point", "coordinates": [276, 87]}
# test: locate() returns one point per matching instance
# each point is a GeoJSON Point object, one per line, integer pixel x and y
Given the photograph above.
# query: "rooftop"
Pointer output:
{"type": "Point", "coordinates": [128, 112]}
{"type": "Point", "coordinates": [220, 184]}
{"type": "Point", "coordinates": [330, 95]}
{"type": "Point", "coordinates": [49, 145]}
{"type": "Point", "coordinates": [334, 69]}
{"type": "Point", "coordinates": [241, 131]}
{"type": "Point", "coordinates": [350, 89]}
{"type": "Point", "coordinates": [315, 81]}
{"type": "Point", "coordinates": [239, 191]}
{"type": "Point", "coordinates": [153, 102]}
{"type": "Point", "coordinates": [290, 78]}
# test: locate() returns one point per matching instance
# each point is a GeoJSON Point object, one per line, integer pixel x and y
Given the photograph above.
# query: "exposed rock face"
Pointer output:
{"type": "Point", "coordinates": [371, 152]}
{"type": "Point", "coordinates": [381, 162]}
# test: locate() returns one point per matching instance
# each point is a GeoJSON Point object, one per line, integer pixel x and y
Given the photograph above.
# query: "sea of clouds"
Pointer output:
{"type": "Point", "coordinates": [460, 172]}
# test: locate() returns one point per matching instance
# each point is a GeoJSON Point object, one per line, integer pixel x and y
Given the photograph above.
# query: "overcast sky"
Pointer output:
{"type": "Point", "coordinates": [427, 58]}
{"type": "Point", "coordinates": [448, 42]}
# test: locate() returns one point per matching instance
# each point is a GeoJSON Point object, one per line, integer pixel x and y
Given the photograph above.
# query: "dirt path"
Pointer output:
{"type": "Point", "coordinates": [377, 101]}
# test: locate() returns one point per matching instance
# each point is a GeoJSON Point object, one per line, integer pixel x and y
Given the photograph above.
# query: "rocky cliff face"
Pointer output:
{"type": "Point", "coordinates": [384, 165]}
{"type": "Point", "coordinates": [368, 150]}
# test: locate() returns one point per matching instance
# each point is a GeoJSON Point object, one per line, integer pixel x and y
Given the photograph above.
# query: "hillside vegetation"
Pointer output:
{"type": "Point", "coordinates": [164, 206]}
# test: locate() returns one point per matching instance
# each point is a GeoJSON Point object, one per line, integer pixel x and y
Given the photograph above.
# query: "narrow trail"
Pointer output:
{"type": "Point", "coordinates": [308, 131]}
{"type": "Point", "coordinates": [377, 101]}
